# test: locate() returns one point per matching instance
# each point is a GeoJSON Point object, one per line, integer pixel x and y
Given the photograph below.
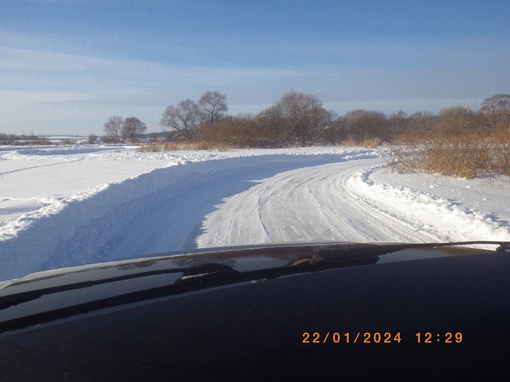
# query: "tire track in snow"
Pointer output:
{"type": "Point", "coordinates": [305, 205]}
{"type": "Point", "coordinates": [18, 170]}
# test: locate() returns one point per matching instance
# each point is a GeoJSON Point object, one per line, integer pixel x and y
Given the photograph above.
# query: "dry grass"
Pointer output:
{"type": "Point", "coordinates": [224, 142]}
{"type": "Point", "coordinates": [372, 142]}
{"type": "Point", "coordinates": [181, 146]}
{"type": "Point", "coordinates": [468, 155]}
{"type": "Point", "coordinates": [350, 142]}
{"type": "Point", "coordinates": [366, 142]}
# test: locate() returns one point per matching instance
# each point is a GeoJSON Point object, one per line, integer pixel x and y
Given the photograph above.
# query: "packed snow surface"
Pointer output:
{"type": "Point", "coordinates": [72, 205]}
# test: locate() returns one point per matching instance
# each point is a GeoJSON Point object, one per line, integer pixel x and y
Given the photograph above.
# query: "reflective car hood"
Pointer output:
{"type": "Point", "coordinates": [52, 294]}
{"type": "Point", "coordinates": [239, 258]}
{"type": "Point", "coordinates": [350, 310]}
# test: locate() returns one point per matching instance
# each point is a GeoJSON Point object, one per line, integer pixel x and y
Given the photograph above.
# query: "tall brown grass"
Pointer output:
{"type": "Point", "coordinates": [181, 146]}
{"type": "Point", "coordinates": [468, 155]}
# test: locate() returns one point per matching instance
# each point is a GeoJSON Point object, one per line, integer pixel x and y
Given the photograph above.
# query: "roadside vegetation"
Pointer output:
{"type": "Point", "coordinates": [295, 120]}
{"type": "Point", "coordinates": [456, 141]}
{"type": "Point", "coordinates": [459, 142]}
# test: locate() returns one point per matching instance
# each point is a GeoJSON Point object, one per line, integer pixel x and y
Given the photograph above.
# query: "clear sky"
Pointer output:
{"type": "Point", "coordinates": [67, 65]}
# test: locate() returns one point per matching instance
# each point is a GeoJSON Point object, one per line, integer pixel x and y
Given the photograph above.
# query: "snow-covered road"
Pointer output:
{"type": "Point", "coordinates": [70, 206]}
{"type": "Point", "coordinates": [305, 205]}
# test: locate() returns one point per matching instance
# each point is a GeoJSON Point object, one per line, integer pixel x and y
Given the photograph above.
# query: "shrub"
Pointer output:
{"type": "Point", "coordinates": [470, 155]}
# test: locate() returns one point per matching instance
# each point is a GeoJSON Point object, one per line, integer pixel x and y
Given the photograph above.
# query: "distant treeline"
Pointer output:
{"type": "Point", "coordinates": [456, 141]}
{"type": "Point", "coordinates": [296, 119]}
{"type": "Point", "coordinates": [299, 119]}
{"type": "Point", "coordinates": [13, 139]}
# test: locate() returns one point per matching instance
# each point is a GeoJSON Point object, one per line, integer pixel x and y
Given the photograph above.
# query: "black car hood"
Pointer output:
{"type": "Point", "coordinates": [45, 296]}
{"type": "Point", "coordinates": [351, 311]}
{"type": "Point", "coordinates": [238, 258]}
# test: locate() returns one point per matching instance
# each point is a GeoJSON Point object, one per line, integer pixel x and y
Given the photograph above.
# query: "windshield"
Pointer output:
{"type": "Point", "coordinates": [134, 128]}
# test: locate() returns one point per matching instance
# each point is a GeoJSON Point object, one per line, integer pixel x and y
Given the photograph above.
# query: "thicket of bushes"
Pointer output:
{"type": "Point", "coordinates": [460, 142]}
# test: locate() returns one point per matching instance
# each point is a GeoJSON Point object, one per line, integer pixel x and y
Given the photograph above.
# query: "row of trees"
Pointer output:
{"type": "Point", "coordinates": [186, 119]}
{"type": "Point", "coordinates": [296, 118]}
{"type": "Point", "coordinates": [301, 119]}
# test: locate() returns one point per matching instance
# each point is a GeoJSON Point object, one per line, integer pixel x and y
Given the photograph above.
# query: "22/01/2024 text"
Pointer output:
{"type": "Point", "coordinates": [378, 337]}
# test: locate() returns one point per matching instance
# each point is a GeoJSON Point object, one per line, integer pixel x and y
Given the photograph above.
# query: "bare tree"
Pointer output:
{"type": "Point", "coordinates": [497, 110]}
{"type": "Point", "coordinates": [363, 124]}
{"type": "Point", "coordinates": [132, 128]}
{"type": "Point", "coordinates": [212, 105]}
{"type": "Point", "coordinates": [396, 124]}
{"type": "Point", "coordinates": [420, 122]}
{"type": "Point", "coordinates": [113, 129]}
{"type": "Point", "coordinates": [301, 116]}
{"type": "Point", "coordinates": [185, 118]}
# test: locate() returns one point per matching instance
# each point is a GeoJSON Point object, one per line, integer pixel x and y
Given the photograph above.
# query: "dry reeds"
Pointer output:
{"type": "Point", "coordinates": [463, 155]}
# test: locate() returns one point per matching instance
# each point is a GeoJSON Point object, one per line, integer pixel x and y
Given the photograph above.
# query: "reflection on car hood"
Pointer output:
{"type": "Point", "coordinates": [49, 295]}
{"type": "Point", "coordinates": [249, 258]}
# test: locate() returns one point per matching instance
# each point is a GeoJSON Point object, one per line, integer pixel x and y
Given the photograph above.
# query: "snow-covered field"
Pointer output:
{"type": "Point", "coordinates": [64, 206]}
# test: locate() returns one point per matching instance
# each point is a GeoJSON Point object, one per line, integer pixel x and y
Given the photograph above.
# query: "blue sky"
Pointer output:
{"type": "Point", "coordinates": [67, 65]}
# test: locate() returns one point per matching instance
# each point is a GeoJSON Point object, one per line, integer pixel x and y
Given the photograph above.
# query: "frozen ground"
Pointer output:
{"type": "Point", "coordinates": [64, 206]}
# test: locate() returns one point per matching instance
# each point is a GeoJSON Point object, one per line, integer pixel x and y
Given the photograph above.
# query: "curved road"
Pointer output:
{"type": "Point", "coordinates": [238, 201]}
{"type": "Point", "coordinates": [309, 204]}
